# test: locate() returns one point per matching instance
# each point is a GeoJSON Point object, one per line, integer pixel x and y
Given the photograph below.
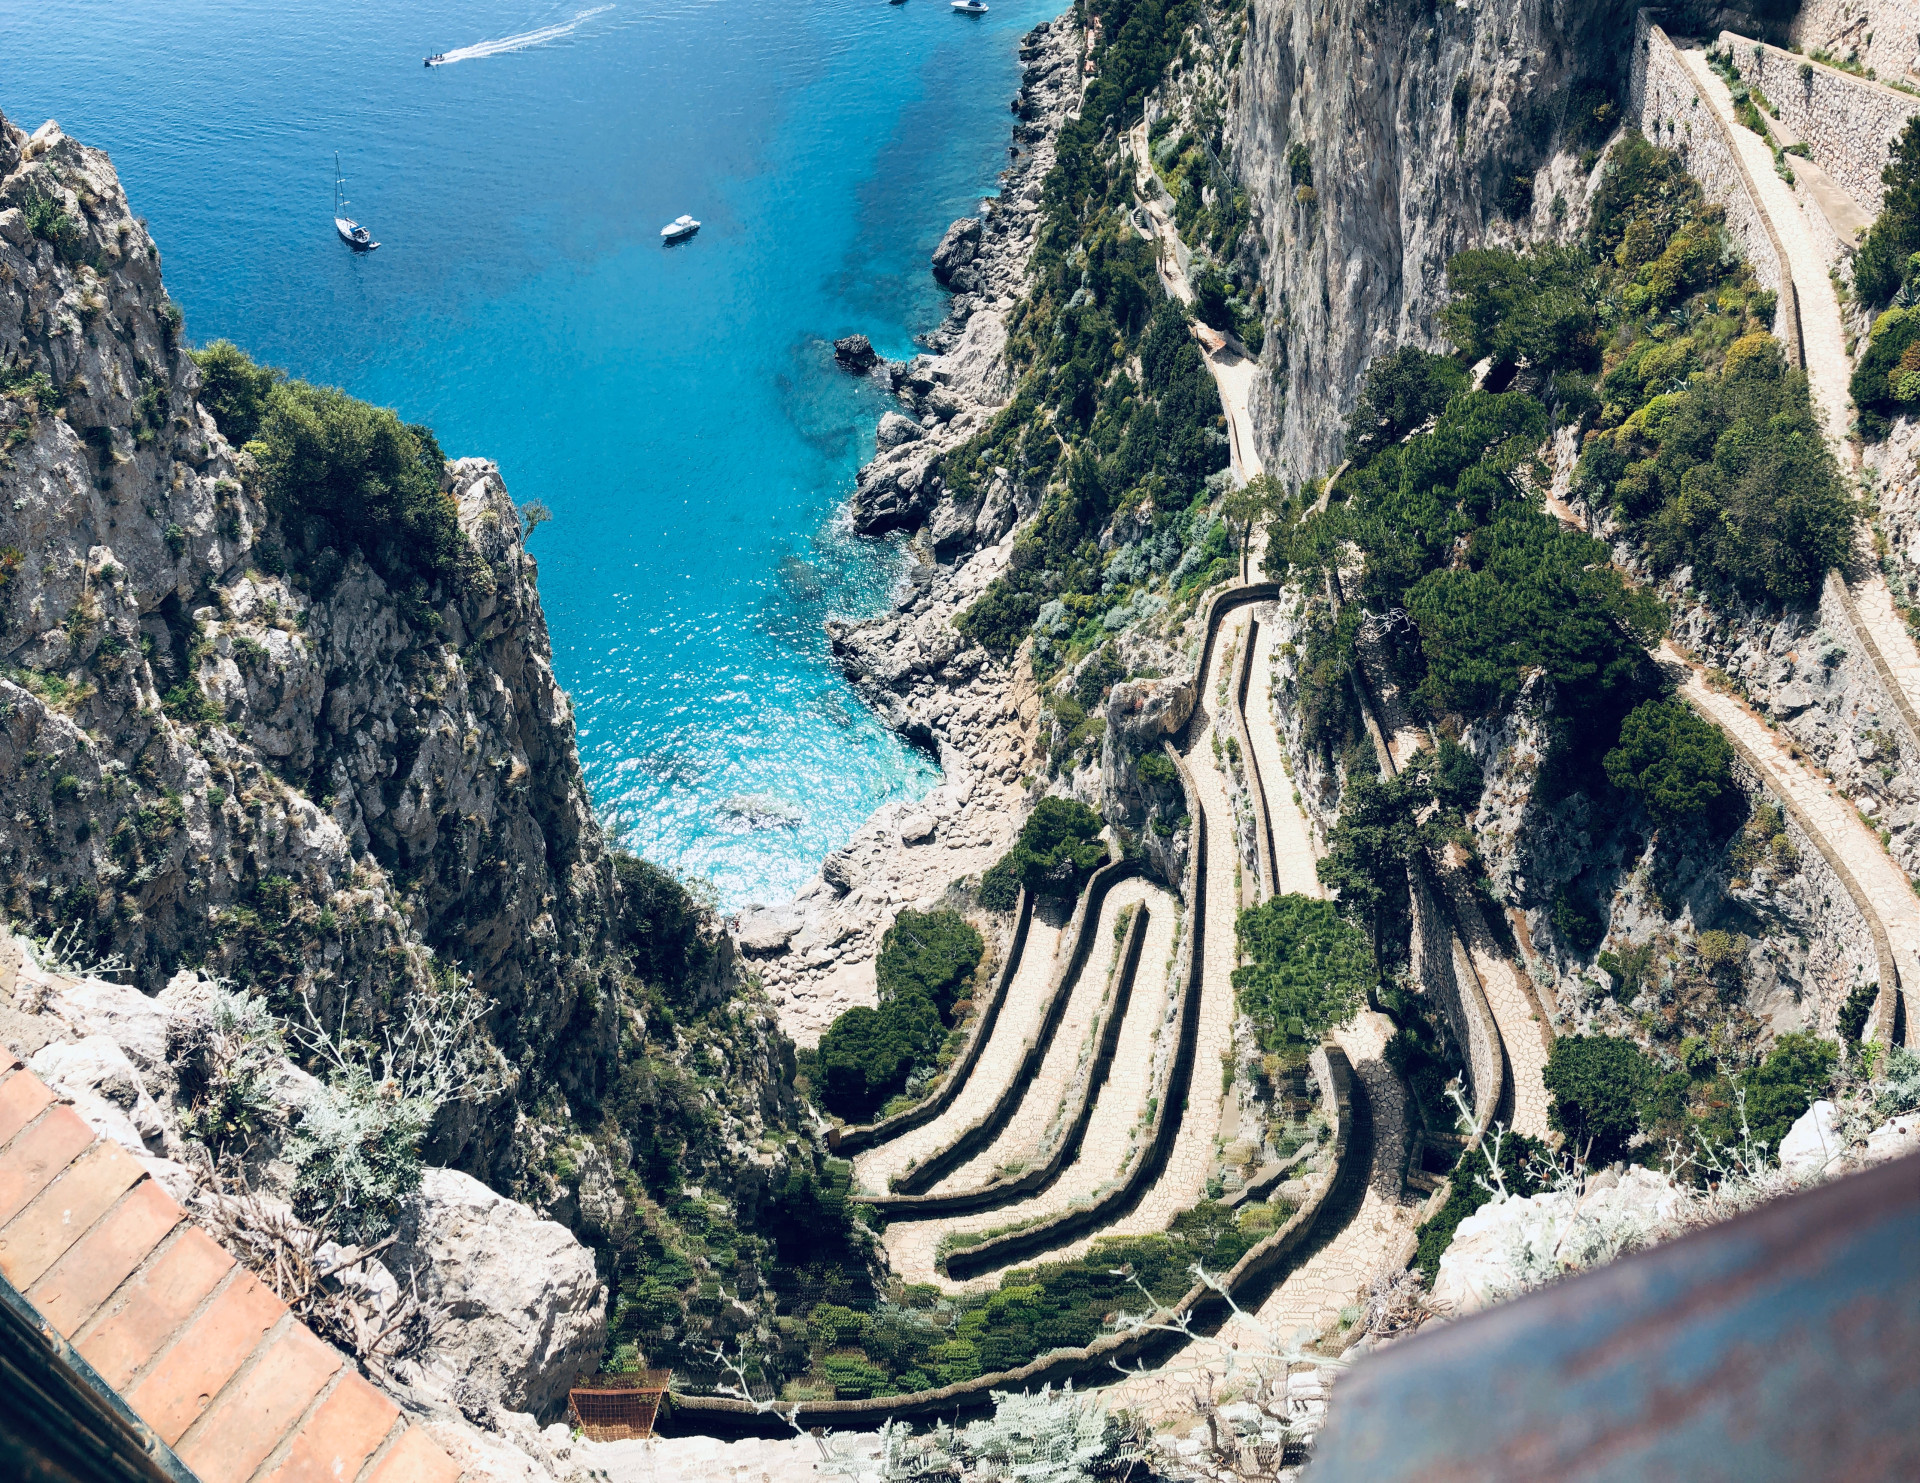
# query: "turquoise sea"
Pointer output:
{"type": "Point", "coordinates": [677, 409]}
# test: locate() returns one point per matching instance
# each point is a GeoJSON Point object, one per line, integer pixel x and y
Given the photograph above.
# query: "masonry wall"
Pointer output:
{"type": "Point", "coordinates": [1847, 122]}
{"type": "Point", "coordinates": [1881, 34]}
{"type": "Point", "coordinates": [1666, 104]}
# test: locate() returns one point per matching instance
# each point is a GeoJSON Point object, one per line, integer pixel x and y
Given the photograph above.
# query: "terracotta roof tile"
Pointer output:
{"type": "Point", "coordinates": [414, 1459]}
{"type": "Point", "coordinates": [257, 1410]}
{"type": "Point", "coordinates": [208, 1353]}
{"type": "Point", "coordinates": [158, 1301]}
{"type": "Point", "coordinates": [65, 1211]}
{"type": "Point", "coordinates": [77, 1284]}
{"type": "Point", "coordinates": [22, 1096]}
{"type": "Point", "coordinates": [346, 1429]}
{"type": "Point", "coordinates": [36, 1157]}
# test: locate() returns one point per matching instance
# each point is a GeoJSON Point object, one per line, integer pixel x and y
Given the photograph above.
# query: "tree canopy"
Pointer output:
{"type": "Point", "coordinates": [1679, 764]}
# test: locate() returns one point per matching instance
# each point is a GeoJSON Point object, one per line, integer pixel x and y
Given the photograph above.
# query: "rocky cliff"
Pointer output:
{"type": "Point", "coordinates": [249, 731]}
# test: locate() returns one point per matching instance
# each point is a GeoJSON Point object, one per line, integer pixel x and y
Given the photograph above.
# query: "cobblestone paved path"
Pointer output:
{"type": "Point", "coordinates": [1823, 343]}
{"type": "Point", "coordinates": [1351, 1242]}
{"type": "Point", "coordinates": [1522, 1035]}
{"type": "Point", "coordinates": [1019, 1018]}
{"type": "Point", "coordinates": [1885, 884]}
{"type": "Point", "coordinates": [1040, 1103]}
{"type": "Point", "coordinates": [1293, 843]}
{"type": "Point", "coordinates": [1112, 1136]}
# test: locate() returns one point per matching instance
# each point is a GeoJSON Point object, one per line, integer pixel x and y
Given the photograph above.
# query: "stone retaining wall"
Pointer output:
{"type": "Point", "coordinates": [1847, 122]}
{"type": "Point", "coordinates": [1882, 32]}
{"type": "Point", "coordinates": [1664, 102]}
{"type": "Point", "coordinates": [848, 1141]}
{"type": "Point", "coordinates": [1094, 1363]}
{"type": "Point", "coordinates": [1036, 1179]}
{"type": "Point", "coordinates": [981, 1132]}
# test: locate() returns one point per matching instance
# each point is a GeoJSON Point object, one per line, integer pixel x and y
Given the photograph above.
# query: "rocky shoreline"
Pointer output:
{"type": "Point", "coordinates": [980, 716]}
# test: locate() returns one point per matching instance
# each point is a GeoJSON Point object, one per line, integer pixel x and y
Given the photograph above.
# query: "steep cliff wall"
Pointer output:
{"type": "Point", "coordinates": [247, 729]}
{"type": "Point", "coordinates": [1419, 126]}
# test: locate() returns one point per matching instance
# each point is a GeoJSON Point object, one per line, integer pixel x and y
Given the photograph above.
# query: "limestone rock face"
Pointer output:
{"type": "Point", "coordinates": [1415, 123]}
{"type": "Point", "coordinates": [520, 1307]}
{"type": "Point", "coordinates": [895, 429]}
{"type": "Point", "coordinates": [957, 248]}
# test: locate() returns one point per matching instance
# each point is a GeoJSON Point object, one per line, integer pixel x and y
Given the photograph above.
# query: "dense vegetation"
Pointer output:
{"type": "Point", "coordinates": [1058, 847]}
{"type": "Point", "coordinates": [1306, 970]}
{"type": "Point", "coordinates": [1613, 1100]}
{"type": "Point", "coordinates": [1884, 259]}
{"type": "Point", "coordinates": [1679, 764]}
{"type": "Point", "coordinates": [1080, 429]}
{"type": "Point", "coordinates": [868, 1056]}
{"type": "Point", "coordinates": [342, 476]}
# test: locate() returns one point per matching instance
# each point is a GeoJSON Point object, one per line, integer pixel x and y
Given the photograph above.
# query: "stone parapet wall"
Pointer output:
{"type": "Point", "coordinates": [1882, 35]}
{"type": "Point", "coordinates": [1847, 122]}
{"type": "Point", "coordinates": [1664, 101]}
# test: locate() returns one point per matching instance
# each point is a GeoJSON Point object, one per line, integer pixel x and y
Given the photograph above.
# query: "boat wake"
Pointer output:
{"type": "Point", "coordinates": [516, 43]}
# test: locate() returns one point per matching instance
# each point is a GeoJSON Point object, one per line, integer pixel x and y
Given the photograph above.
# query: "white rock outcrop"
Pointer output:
{"type": "Point", "coordinates": [520, 1308]}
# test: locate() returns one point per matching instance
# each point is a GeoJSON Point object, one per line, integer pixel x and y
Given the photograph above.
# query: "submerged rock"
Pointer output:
{"type": "Point", "coordinates": [746, 812]}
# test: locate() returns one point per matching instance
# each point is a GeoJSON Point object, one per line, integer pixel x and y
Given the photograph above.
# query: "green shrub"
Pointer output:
{"type": "Point", "coordinates": [1597, 1083]}
{"type": "Point", "coordinates": [1677, 763]}
{"type": "Point", "coordinates": [1469, 1188]}
{"type": "Point", "coordinates": [1307, 970]}
{"type": "Point", "coordinates": [1885, 383]}
{"type": "Point", "coordinates": [48, 220]}
{"type": "Point", "coordinates": [1058, 846]}
{"type": "Point", "coordinates": [663, 928]}
{"type": "Point", "coordinates": [1894, 237]}
{"type": "Point", "coordinates": [343, 474]}
{"type": "Point", "coordinates": [931, 954]}
{"type": "Point", "coordinates": [1401, 391]}
{"type": "Point", "coordinates": [867, 1055]}
{"type": "Point", "coordinates": [1797, 1070]}
{"type": "Point", "coordinates": [235, 390]}
{"type": "Point", "coordinates": [1000, 885]}
{"type": "Point", "coordinates": [1369, 847]}
{"type": "Point", "coordinates": [1156, 770]}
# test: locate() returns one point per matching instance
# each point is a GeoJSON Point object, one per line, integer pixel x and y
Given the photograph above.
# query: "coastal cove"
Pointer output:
{"type": "Point", "coordinates": [679, 411]}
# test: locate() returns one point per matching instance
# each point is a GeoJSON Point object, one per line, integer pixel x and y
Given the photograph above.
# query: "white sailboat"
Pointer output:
{"type": "Point", "coordinates": [351, 232]}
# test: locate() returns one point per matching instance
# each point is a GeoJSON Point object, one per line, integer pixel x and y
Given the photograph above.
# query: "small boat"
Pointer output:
{"type": "Point", "coordinates": [970, 7]}
{"type": "Point", "coordinates": [679, 229]}
{"type": "Point", "coordinates": [436, 59]}
{"type": "Point", "coordinates": [896, 2]}
{"type": "Point", "coordinates": [351, 232]}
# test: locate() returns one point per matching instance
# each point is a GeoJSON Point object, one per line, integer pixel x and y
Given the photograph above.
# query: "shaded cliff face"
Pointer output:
{"type": "Point", "coordinates": [226, 753]}
{"type": "Point", "coordinates": [1415, 126]}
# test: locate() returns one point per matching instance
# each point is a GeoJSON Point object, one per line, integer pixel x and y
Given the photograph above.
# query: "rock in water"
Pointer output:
{"type": "Point", "coordinates": [518, 1307]}
{"type": "Point", "coordinates": [856, 353]}
{"type": "Point", "coordinates": [957, 248]}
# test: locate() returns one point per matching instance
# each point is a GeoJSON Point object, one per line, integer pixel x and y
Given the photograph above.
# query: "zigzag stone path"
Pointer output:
{"type": "Point", "coordinates": [1294, 849]}
{"type": "Point", "coordinates": [1018, 1021]}
{"type": "Point", "coordinates": [1886, 886]}
{"type": "Point", "coordinates": [1118, 1125]}
{"type": "Point", "coordinates": [1040, 1103]}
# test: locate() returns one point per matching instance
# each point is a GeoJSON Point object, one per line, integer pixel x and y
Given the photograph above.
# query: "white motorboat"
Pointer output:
{"type": "Point", "coordinates": [970, 7]}
{"type": "Point", "coordinates": [679, 229]}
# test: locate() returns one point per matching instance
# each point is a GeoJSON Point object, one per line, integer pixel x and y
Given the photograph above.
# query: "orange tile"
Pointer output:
{"type": "Point", "coordinates": [22, 1095]}
{"type": "Point", "coordinates": [105, 1257]}
{"type": "Point", "coordinates": [344, 1431]}
{"type": "Point", "coordinates": [34, 1159]}
{"type": "Point", "coordinates": [259, 1408]}
{"type": "Point", "coordinates": [65, 1211]}
{"type": "Point", "coordinates": [413, 1459]}
{"type": "Point", "coordinates": [209, 1351]}
{"type": "Point", "coordinates": [158, 1301]}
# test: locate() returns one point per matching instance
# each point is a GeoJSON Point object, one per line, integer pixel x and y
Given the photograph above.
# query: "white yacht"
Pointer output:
{"type": "Point", "coordinates": [679, 229]}
{"type": "Point", "coordinates": [970, 7]}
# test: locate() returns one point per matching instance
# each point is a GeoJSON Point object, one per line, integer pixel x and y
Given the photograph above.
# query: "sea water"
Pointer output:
{"type": "Point", "coordinates": [678, 409]}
